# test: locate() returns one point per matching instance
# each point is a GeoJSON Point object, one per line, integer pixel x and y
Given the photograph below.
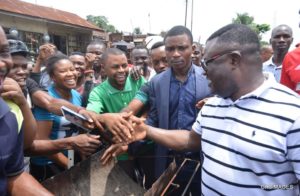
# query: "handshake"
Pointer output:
{"type": "Point", "coordinates": [124, 127]}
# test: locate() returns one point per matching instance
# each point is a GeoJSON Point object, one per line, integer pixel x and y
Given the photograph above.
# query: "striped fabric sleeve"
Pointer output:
{"type": "Point", "coordinates": [197, 126]}
{"type": "Point", "coordinates": [293, 147]}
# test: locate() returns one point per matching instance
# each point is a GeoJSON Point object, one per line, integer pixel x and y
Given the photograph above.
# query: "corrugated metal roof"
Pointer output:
{"type": "Point", "coordinates": [42, 12]}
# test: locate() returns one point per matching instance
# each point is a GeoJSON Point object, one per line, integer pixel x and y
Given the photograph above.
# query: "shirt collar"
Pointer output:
{"type": "Point", "coordinates": [268, 83]}
{"type": "Point", "coordinates": [270, 63]}
{"type": "Point", "coordinates": [191, 71]}
{"type": "Point", "coordinates": [113, 90]}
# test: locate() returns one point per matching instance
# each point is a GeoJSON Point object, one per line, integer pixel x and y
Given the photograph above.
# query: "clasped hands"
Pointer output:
{"type": "Point", "coordinates": [124, 127]}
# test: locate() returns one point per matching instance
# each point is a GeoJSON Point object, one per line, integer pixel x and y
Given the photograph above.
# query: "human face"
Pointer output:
{"type": "Point", "coordinates": [79, 63]}
{"type": "Point", "coordinates": [19, 71]}
{"type": "Point", "coordinates": [116, 69]}
{"type": "Point", "coordinates": [178, 52]}
{"type": "Point", "coordinates": [196, 55]}
{"type": "Point", "coordinates": [159, 59]}
{"type": "Point", "coordinates": [65, 75]}
{"type": "Point", "coordinates": [140, 57]}
{"type": "Point", "coordinates": [266, 53]}
{"type": "Point", "coordinates": [217, 64]}
{"type": "Point", "coordinates": [5, 58]}
{"type": "Point", "coordinates": [96, 49]}
{"type": "Point", "coordinates": [281, 39]}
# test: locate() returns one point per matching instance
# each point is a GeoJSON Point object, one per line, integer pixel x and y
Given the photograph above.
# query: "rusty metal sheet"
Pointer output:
{"type": "Point", "coordinates": [90, 178]}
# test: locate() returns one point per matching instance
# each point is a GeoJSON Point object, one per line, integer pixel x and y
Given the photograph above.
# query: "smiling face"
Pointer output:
{"type": "Point", "coordinates": [64, 75]}
{"type": "Point", "coordinates": [5, 58]}
{"type": "Point", "coordinates": [79, 63]}
{"type": "Point", "coordinates": [19, 71]}
{"type": "Point", "coordinates": [116, 69]}
{"type": "Point", "coordinates": [178, 51]}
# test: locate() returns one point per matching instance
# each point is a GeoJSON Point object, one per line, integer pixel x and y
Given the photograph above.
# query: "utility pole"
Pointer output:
{"type": "Point", "coordinates": [192, 15]}
{"type": "Point", "coordinates": [149, 22]}
{"type": "Point", "coordinates": [186, 6]}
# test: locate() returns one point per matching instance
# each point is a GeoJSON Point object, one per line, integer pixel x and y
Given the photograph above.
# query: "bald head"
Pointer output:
{"type": "Point", "coordinates": [282, 27]}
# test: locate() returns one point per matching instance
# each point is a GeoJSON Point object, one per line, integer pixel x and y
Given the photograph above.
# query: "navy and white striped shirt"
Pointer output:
{"type": "Point", "coordinates": [251, 146]}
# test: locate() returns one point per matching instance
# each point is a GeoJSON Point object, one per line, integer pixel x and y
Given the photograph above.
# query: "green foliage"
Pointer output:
{"type": "Point", "coordinates": [137, 31]}
{"type": "Point", "coordinates": [249, 21]}
{"type": "Point", "coordinates": [102, 22]}
{"type": "Point", "coordinates": [264, 43]}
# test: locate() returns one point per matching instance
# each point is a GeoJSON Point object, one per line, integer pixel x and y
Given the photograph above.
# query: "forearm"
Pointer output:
{"type": "Point", "coordinates": [135, 106]}
{"type": "Point", "coordinates": [25, 184]}
{"type": "Point", "coordinates": [48, 147]}
{"type": "Point", "coordinates": [37, 66]}
{"type": "Point", "coordinates": [44, 100]}
{"type": "Point", "coordinates": [174, 139]}
{"type": "Point", "coordinates": [60, 159]}
{"type": "Point", "coordinates": [29, 125]}
{"type": "Point", "coordinates": [56, 104]}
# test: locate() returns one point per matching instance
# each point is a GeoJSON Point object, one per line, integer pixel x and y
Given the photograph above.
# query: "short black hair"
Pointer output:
{"type": "Point", "coordinates": [237, 34]}
{"type": "Point", "coordinates": [280, 26]}
{"type": "Point", "coordinates": [157, 45]}
{"type": "Point", "coordinates": [51, 62]}
{"type": "Point", "coordinates": [111, 51]}
{"type": "Point", "coordinates": [140, 47]}
{"type": "Point", "coordinates": [96, 42]}
{"type": "Point", "coordinates": [77, 53]}
{"type": "Point", "coordinates": [179, 30]}
{"type": "Point", "coordinates": [197, 44]}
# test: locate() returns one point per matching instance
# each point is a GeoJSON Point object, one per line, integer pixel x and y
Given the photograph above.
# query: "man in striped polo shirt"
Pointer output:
{"type": "Point", "coordinates": [250, 132]}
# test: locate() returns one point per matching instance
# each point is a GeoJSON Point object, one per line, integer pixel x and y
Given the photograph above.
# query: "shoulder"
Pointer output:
{"type": "Point", "coordinates": [161, 76]}
{"type": "Point", "coordinates": [30, 81]}
{"type": "Point", "coordinates": [32, 85]}
{"type": "Point", "coordinates": [279, 92]}
{"type": "Point", "coordinates": [199, 72]}
{"type": "Point", "coordinates": [101, 88]}
{"type": "Point", "coordinates": [198, 69]}
{"type": "Point", "coordinates": [76, 97]}
{"type": "Point", "coordinates": [294, 54]}
{"type": "Point", "coordinates": [14, 108]}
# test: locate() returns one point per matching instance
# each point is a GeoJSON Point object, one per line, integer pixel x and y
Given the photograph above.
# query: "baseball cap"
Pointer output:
{"type": "Point", "coordinates": [17, 46]}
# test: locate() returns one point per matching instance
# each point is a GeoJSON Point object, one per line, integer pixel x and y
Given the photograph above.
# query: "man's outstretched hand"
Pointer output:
{"type": "Point", "coordinates": [121, 125]}
{"type": "Point", "coordinates": [113, 151]}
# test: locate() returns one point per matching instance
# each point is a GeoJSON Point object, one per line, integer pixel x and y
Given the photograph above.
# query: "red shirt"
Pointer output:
{"type": "Point", "coordinates": [290, 75]}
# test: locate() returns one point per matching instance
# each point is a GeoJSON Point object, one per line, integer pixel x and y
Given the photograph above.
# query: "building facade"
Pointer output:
{"type": "Point", "coordinates": [38, 24]}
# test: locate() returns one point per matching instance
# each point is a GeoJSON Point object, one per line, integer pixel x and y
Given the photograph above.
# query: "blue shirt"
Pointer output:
{"type": "Point", "coordinates": [182, 101]}
{"type": "Point", "coordinates": [269, 66]}
{"type": "Point", "coordinates": [11, 147]}
{"type": "Point", "coordinates": [61, 127]}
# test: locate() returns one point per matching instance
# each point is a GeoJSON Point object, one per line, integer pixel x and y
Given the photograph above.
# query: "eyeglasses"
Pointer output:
{"type": "Point", "coordinates": [204, 63]}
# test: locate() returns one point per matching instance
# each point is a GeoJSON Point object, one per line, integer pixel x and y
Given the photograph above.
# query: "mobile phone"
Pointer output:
{"type": "Point", "coordinates": [75, 118]}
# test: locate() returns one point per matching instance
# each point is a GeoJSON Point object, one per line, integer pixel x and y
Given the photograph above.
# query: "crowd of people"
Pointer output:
{"type": "Point", "coordinates": [221, 105]}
